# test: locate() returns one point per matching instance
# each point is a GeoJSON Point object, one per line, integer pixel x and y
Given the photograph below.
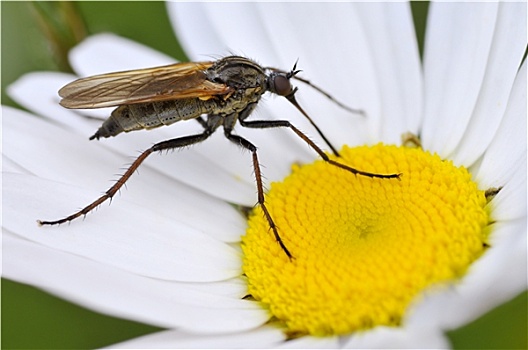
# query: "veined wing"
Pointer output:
{"type": "Point", "coordinates": [176, 81]}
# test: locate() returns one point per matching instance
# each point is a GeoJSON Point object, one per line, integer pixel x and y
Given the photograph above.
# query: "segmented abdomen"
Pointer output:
{"type": "Point", "coordinates": [151, 115]}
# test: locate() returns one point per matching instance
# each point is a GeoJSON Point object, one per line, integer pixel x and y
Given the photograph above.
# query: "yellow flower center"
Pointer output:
{"type": "Point", "coordinates": [363, 248]}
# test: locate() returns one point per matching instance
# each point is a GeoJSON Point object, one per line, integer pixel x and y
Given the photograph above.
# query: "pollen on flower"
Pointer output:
{"type": "Point", "coordinates": [363, 248]}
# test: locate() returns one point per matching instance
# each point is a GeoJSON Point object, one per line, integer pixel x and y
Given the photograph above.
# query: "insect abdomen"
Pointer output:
{"type": "Point", "coordinates": [150, 115]}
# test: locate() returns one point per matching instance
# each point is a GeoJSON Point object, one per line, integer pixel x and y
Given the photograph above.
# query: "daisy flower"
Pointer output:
{"type": "Point", "coordinates": [376, 262]}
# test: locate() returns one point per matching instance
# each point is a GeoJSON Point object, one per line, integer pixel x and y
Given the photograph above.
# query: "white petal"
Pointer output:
{"type": "Point", "coordinates": [398, 338]}
{"type": "Point", "coordinates": [508, 147]}
{"type": "Point", "coordinates": [104, 53]}
{"type": "Point", "coordinates": [48, 151]}
{"type": "Point", "coordinates": [60, 161]}
{"type": "Point", "coordinates": [256, 42]}
{"type": "Point", "coordinates": [498, 276]}
{"type": "Point", "coordinates": [511, 202]}
{"type": "Point", "coordinates": [506, 53]}
{"type": "Point", "coordinates": [10, 166]}
{"type": "Point", "coordinates": [194, 31]}
{"type": "Point", "coordinates": [216, 166]}
{"type": "Point", "coordinates": [132, 237]}
{"type": "Point", "coordinates": [262, 338]}
{"type": "Point", "coordinates": [308, 342]}
{"type": "Point", "coordinates": [398, 68]}
{"type": "Point", "coordinates": [37, 91]}
{"type": "Point", "coordinates": [338, 69]}
{"type": "Point", "coordinates": [252, 42]}
{"type": "Point", "coordinates": [121, 294]}
{"type": "Point", "coordinates": [457, 45]}
{"type": "Point", "coordinates": [346, 69]}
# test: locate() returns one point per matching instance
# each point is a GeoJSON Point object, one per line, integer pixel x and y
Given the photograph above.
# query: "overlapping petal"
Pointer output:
{"type": "Point", "coordinates": [109, 290]}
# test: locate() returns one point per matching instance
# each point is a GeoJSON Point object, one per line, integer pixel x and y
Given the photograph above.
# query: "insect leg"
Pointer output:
{"type": "Point", "coordinates": [264, 124]}
{"type": "Point", "coordinates": [260, 188]}
{"type": "Point", "coordinates": [202, 122]}
{"type": "Point", "coordinates": [161, 146]}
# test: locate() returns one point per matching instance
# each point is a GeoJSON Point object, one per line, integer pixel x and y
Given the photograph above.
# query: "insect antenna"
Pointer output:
{"type": "Point", "coordinates": [331, 98]}
{"type": "Point", "coordinates": [293, 74]}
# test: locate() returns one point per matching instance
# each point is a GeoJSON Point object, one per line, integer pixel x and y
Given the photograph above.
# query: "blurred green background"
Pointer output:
{"type": "Point", "coordinates": [37, 36]}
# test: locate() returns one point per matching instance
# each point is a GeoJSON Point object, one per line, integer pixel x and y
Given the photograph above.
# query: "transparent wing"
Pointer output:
{"type": "Point", "coordinates": [176, 81]}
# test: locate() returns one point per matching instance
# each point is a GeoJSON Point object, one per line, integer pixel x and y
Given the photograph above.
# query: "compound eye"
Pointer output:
{"type": "Point", "coordinates": [282, 85]}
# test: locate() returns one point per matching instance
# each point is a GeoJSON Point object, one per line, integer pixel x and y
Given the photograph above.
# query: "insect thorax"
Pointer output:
{"type": "Point", "coordinates": [238, 73]}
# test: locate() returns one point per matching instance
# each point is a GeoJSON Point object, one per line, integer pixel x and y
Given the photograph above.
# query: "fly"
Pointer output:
{"type": "Point", "coordinates": [225, 92]}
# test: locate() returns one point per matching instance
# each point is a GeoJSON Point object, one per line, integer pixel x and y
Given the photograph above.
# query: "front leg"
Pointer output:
{"type": "Point", "coordinates": [242, 142]}
{"type": "Point", "coordinates": [264, 124]}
